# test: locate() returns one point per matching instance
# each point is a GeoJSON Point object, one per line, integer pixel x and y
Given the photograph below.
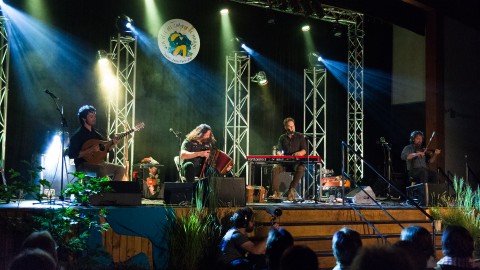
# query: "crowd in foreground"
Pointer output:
{"type": "Point", "coordinates": [413, 251]}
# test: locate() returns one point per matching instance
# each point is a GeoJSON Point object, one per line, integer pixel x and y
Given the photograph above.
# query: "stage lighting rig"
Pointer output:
{"type": "Point", "coordinates": [260, 78]}
{"type": "Point", "coordinates": [124, 24]}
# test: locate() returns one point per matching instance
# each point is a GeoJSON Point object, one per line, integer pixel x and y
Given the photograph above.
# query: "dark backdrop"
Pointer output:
{"type": "Point", "coordinates": [166, 100]}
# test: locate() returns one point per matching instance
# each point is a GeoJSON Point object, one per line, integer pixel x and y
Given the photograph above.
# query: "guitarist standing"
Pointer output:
{"type": "Point", "coordinates": [82, 149]}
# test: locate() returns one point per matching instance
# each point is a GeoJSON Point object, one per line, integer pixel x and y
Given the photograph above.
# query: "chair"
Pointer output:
{"type": "Point", "coordinates": [176, 159]}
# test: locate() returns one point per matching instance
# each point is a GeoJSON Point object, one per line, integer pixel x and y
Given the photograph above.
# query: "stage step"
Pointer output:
{"type": "Point", "coordinates": [314, 227]}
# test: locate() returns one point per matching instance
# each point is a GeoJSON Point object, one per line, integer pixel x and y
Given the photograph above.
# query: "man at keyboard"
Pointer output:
{"type": "Point", "coordinates": [291, 143]}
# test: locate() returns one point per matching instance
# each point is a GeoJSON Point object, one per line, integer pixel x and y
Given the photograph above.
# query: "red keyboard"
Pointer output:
{"type": "Point", "coordinates": [282, 159]}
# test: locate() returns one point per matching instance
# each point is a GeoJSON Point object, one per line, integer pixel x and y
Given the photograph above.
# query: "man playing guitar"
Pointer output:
{"type": "Point", "coordinates": [83, 153]}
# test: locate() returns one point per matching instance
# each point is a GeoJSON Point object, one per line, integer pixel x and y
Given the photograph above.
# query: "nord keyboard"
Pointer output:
{"type": "Point", "coordinates": [282, 159]}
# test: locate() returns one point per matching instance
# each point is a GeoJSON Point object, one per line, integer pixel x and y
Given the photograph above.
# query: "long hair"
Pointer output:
{"type": "Point", "coordinates": [198, 132]}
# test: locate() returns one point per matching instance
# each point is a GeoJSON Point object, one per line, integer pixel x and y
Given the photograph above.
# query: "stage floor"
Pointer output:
{"type": "Point", "coordinates": [306, 204]}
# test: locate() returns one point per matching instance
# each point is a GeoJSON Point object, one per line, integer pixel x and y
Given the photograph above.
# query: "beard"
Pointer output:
{"type": "Point", "coordinates": [249, 229]}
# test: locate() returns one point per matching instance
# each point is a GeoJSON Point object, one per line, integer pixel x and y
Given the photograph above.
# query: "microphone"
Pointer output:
{"type": "Point", "coordinates": [176, 133]}
{"type": "Point", "coordinates": [51, 94]}
{"type": "Point", "coordinates": [274, 211]}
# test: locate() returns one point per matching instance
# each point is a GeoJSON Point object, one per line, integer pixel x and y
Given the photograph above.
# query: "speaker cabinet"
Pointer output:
{"type": "Point", "coordinates": [178, 193]}
{"type": "Point", "coordinates": [425, 194]}
{"type": "Point", "coordinates": [224, 191]}
{"type": "Point", "coordinates": [359, 196]}
{"type": "Point", "coordinates": [125, 193]}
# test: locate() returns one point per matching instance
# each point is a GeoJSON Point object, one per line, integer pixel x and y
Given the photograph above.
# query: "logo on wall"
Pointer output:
{"type": "Point", "coordinates": [178, 41]}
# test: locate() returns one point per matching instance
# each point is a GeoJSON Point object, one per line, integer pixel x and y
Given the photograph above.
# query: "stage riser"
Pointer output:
{"type": "Point", "coordinates": [311, 227]}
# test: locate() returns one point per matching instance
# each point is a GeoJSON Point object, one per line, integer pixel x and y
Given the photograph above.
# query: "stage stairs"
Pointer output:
{"type": "Point", "coordinates": [314, 226]}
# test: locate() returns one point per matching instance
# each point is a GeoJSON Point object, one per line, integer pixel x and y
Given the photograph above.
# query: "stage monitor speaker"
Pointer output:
{"type": "Point", "coordinates": [125, 193]}
{"type": "Point", "coordinates": [358, 196]}
{"type": "Point", "coordinates": [178, 193]}
{"type": "Point", "coordinates": [425, 194]}
{"type": "Point", "coordinates": [227, 191]}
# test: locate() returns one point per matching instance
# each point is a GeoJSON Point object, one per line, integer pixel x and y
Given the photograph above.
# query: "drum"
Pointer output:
{"type": "Point", "coordinates": [221, 161]}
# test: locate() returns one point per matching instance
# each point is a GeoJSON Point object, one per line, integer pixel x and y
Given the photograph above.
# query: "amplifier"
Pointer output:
{"type": "Point", "coordinates": [178, 193]}
{"type": "Point", "coordinates": [125, 193]}
{"type": "Point", "coordinates": [426, 194]}
{"type": "Point", "coordinates": [222, 191]}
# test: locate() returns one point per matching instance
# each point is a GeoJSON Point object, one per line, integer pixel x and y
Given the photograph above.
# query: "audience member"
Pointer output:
{"type": "Point", "coordinates": [299, 258]}
{"type": "Point", "coordinates": [381, 258]}
{"type": "Point", "coordinates": [235, 244]}
{"type": "Point", "coordinates": [345, 245]}
{"type": "Point", "coordinates": [33, 259]}
{"type": "Point", "coordinates": [457, 247]}
{"type": "Point", "coordinates": [277, 242]}
{"type": "Point", "coordinates": [413, 252]}
{"type": "Point", "coordinates": [42, 240]}
{"type": "Point", "coordinates": [422, 240]}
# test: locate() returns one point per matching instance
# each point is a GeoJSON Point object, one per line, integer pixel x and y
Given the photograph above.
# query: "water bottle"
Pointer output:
{"type": "Point", "coordinates": [274, 152]}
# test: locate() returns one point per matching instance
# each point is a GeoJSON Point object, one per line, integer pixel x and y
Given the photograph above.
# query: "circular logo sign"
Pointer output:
{"type": "Point", "coordinates": [178, 41]}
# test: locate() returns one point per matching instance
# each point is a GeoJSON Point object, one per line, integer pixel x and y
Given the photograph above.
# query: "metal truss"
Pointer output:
{"type": "Point", "coordinates": [355, 96]}
{"type": "Point", "coordinates": [237, 110]}
{"type": "Point", "coordinates": [4, 62]}
{"type": "Point", "coordinates": [354, 21]}
{"type": "Point", "coordinates": [121, 105]}
{"type": "Point", "coordinates": [315, 117]}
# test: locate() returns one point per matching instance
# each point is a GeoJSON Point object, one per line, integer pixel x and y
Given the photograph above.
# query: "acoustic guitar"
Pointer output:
{"type": "Point", "coordinates": [99, 156]}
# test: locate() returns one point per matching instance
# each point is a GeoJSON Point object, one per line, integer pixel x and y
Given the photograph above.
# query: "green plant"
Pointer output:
{"type": "Point", "coordinates": [194, 237]}
{"type": "Point", "coordinates": [70, 227]}
{"type": "Point", "coordinates": [21, 186]}
{"type": "Point", "coordinates": [83, 187]}
{"type": "Point", "coordinates": [462, 209]}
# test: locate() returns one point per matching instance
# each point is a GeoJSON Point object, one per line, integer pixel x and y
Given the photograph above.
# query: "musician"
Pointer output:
{"type": "Point", "coordinates": [195, 150]}
{"type": "Point", "coordinates": [291, 143]}
{"type": "Point", "coordinates": [88, 118]}
{"type": "Point", "coordinates": [417, 159]}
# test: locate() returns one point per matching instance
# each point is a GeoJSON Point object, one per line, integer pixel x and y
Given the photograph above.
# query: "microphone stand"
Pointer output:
{"type": "Point", "coordinates": [388, 168]}
{"type": "Point", "coordinates": [178, 135]}
{"type": "Point", "coordinates": [64, 126]}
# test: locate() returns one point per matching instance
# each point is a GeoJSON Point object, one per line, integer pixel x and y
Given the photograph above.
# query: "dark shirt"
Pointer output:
{"type": "Point", "coordinates": [291, 145]}
{"type": "Point", "coordinates": [414, 163]}
{"type": "Point", "coordinates": [194, 146]}
{"type": "Point", "coordinates": [231, 245]}
{"type": "Point", "coordinates": [77, 140]}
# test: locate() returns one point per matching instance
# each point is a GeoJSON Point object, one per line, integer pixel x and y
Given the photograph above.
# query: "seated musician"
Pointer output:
{"type": "Point", "coordinates": [87, 118]}
{"type": "Point", "coordinates": [417, 158]}
{"type": "Point", "coordinates": [195, 150]}
{"type": "Point", "coordinates": [292, 144]}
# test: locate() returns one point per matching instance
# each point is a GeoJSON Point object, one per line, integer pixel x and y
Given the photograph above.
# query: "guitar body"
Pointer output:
{"type": "Point", "coordinates": [96, 157]}
{"type": "Point", "coordinates": [99, 156]}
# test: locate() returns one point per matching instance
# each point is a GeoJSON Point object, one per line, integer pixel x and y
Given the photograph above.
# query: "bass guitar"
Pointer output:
{"type": "Point", "coordinates": [95, 157]}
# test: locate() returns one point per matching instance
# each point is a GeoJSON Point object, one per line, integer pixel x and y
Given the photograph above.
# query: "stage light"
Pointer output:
{"type": "Point", "coordinates": [260, 78]}
{"type": "Point", "coordinates": [124, 24]}
{"type": "Point", "coordinates": [224, 11]}
{"type": "Point", "coordinates": [102, 57]}
{"type": "Point", "coordinates": [337, 29]}
{"type": "Point", "coordinates": [316, 60]}
{"type": "Point", "coordinates": [306, 28]}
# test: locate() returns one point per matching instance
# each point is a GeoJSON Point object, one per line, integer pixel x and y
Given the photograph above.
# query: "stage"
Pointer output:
{"type": "Point", "coordinates": [143, 228]}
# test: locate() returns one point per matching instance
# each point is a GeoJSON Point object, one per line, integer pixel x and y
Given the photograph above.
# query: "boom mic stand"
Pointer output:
{"type": "Point", "coordinates": [178, 135]}
{"type": "Point", "coordinates": [64, 126]}
{"type": "Point", "coordinates": [388, 165]}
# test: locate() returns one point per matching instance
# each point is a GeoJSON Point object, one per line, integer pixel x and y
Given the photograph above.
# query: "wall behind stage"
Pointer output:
{"type": "Point", "coordinates": [183, 96]}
